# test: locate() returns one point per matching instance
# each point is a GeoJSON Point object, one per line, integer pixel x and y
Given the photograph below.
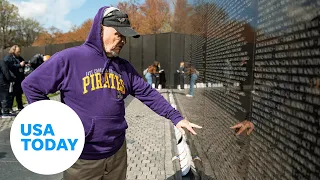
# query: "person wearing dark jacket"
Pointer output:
{"type": "Point", "coordinates": [34, 63]}
{"type": "Point", "coordinates": [5, 79]}
{"type": "Point", "coordinates": [181, 76]}
{"type": "Point", "coordinates": [16, 65]}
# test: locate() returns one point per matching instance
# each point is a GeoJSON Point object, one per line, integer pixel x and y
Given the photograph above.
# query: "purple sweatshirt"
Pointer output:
{"type": "Point", "coordinates": [95, 87]}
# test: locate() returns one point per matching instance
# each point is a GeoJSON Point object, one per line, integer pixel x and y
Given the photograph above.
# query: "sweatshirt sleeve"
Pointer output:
{"type": "Point", "coordinates": [47, 78]}
{"type": "Point", "coordinates": [152, 98]}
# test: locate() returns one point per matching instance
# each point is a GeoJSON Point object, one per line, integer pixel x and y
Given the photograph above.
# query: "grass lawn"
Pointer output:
{"type": "Point", "coordinates": [24, 100]}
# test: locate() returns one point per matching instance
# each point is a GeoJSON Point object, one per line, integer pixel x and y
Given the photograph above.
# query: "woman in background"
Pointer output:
{"type": "Point", "coordinates": [151, 71]}
{"type": "Point", "coordinates": [193, 73]}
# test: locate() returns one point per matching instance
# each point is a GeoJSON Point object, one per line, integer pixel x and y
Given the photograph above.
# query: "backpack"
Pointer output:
{"type": "Point", "coordinates": [28, 70]}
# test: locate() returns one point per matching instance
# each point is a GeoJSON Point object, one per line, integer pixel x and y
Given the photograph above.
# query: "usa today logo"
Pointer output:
{"type": "Point", "coordinates": [47, 137]}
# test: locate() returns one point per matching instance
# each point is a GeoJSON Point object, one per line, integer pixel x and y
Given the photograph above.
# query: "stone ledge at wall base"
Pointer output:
{"type": "Point", "coordinates": [196, 165]}
{"type": "Point", "coordinates": [184, 153]}
{"type": "Point", "coordinates": [174, 151]}
{"type": "Point", "coordinates": [201, 85]}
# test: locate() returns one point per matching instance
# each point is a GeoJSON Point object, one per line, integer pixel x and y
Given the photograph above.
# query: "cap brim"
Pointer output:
{"type": "Point", "coordinates": [127, 31]}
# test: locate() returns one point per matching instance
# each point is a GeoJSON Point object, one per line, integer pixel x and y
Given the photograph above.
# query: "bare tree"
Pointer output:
{"type": "Point", "coordinates": [8, 19]}
{"type": "Point", "coordinates": [26, 32]}
{"type": "Point", "coordinates": [156, 15]}
{"type": "Point", "coordinates": [180, 19]}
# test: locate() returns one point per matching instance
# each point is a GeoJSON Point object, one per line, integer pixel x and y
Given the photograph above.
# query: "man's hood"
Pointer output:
{"type": "Point", "coordinates": [94, 39]}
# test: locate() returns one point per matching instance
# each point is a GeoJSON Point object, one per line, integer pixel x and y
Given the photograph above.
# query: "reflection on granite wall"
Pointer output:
{"type": "Point", "coordinates": [266, 53]}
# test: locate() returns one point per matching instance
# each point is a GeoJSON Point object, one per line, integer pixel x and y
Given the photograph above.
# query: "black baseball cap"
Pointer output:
{"type": "Point", "coordinates": [113, 17]}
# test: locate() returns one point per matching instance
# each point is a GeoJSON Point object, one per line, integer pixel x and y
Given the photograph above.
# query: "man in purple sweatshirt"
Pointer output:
{"type": "Point", "coordinates": [94, 82]}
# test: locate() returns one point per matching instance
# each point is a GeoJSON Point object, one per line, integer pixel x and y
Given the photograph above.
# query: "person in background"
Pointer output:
{"type": "Point", "coordinates": [156, 74]}
{"type": "Point", "coordinates": [16, 65]}
{"type": "Point", "coordinates": [148, 76]}
{"type": "Point", "coordinates": [35, 62]}
{"type": "Point", "coordinates": [193, 74]}
{"type": "Point", "coordinates": [151, 71]}
{"type": "Point", "coordinates": [46, 58]}
{"type": "Point", "coordinates": [5, 79]}
{"type": "Point", "coordinates": [181, 76]}
{"type": "Point", "coordinates": [162, 78]}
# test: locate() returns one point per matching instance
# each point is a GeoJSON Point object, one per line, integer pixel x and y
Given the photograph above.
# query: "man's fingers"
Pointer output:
{"type": "Point", "coordinates": [236, 126]}
{"type": "Point", "coordinates": [191, 130]}
{"type": "Point", "coordinates": [250, 130]}
{"type": "Point", "coordinates": [182, 131]}
{"type": "Point", "coordinates": [241, 130]}
{"type": "Point", "coordinates": [186, 124]}
{"type": "Point", "coordinates": [194, 125]}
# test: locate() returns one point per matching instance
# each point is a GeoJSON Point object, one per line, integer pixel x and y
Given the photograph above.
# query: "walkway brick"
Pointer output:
{"type": "Point", "coordinates": [149, 143]}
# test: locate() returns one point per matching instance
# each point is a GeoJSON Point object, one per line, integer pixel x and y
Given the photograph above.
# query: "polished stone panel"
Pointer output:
{"type": "Point", "coordinates": [266, 54]}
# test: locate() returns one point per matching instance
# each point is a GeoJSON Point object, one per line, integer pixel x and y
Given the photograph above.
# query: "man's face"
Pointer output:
{"type": "Point", "coordinates": [112, 41]}
{"type": "Point", "coordinates": [17, 52]}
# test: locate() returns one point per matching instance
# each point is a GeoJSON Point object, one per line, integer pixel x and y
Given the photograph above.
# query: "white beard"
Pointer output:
{"type": "Point", "coordinates": [114, 54]}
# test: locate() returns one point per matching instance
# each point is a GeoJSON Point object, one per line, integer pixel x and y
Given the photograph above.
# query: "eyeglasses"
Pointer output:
{"type": "Point", "coordinates": [121, 38]}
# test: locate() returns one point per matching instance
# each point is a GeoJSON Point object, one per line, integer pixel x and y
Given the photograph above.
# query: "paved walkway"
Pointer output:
{"type": "Point", "coordinates": [148, 139]}
{"type": "Point", "coordinates": [149, 143]}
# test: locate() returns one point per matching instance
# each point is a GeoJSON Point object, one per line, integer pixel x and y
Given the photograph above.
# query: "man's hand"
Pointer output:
{"type": "Point", "coordinates": [22, 63]}
{"type": "Point", "coordinates": [243, 126]}
{"type": "Point", "coordinates": [188, 125]}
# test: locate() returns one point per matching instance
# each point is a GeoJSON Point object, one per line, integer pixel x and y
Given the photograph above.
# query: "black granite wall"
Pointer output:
{"type": "Point", "coordinates": [266, 53]}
